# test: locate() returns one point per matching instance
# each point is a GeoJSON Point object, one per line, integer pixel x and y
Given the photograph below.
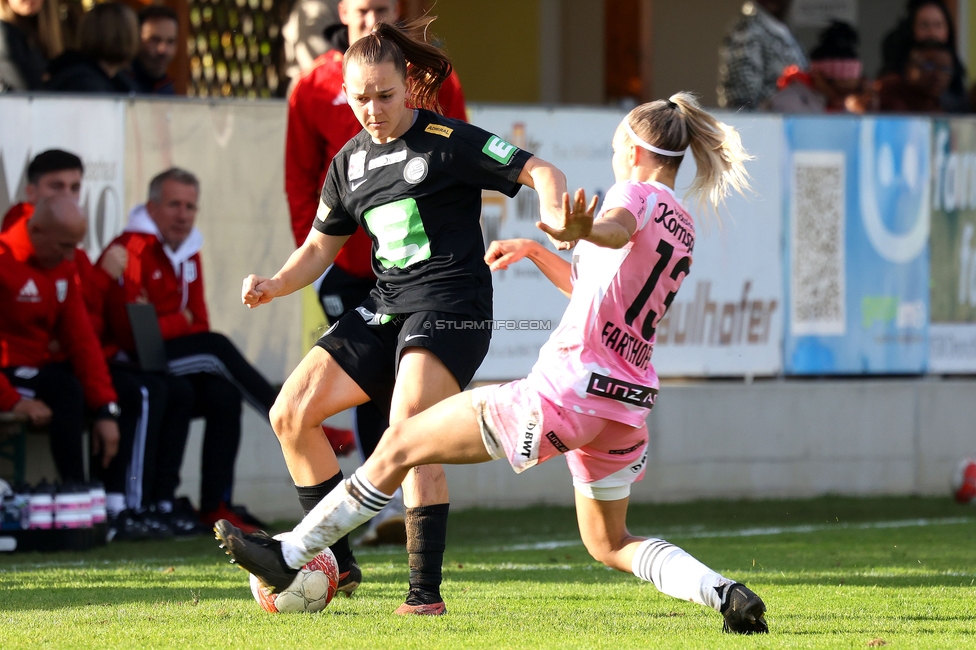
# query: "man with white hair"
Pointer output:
{"type": "Point", "coordinates": [165, 270]}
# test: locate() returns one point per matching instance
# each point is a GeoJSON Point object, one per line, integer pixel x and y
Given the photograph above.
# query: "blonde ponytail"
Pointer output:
{"type": "Point", "coordinates": [680, 123]}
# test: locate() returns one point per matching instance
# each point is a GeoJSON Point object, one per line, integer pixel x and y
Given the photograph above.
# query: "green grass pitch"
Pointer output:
{"type": "Point", "coordinates": [834, 572]}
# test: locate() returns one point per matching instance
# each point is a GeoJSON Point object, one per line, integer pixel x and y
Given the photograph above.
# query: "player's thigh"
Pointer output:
{"type": "Point", "coordinates": [447, 432]}
{"type": "Point", "coordinates": [317, 389]}
{"type": "Point", "coordinates": [434, 361]}
{"type": "Point", "coordinates": [422, 381]}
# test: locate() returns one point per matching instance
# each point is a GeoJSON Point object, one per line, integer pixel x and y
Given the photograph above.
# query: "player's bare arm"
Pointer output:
{"type": "Point", "coordinates": [300, 270]}
{"type": "Point", "coordinates": [614, 229]}
{"type": "Point", "coordinates": [550, 183]}
{"type": "Point", "coordinates": [502, 254]}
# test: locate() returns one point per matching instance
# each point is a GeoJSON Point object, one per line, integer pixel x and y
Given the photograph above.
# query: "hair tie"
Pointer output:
{"type": "Point", "coordinates": [671, 104]}
{"type": "Point", "coordinates": [648, 146]}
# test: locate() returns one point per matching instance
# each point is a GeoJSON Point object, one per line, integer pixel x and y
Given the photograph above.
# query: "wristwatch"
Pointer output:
{"type": "Point", "coordinates": [110, 411]}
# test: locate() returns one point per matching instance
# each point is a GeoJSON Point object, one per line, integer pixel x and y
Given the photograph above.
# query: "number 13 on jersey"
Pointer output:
{"type": "Point", "coordinates": [665, 251]}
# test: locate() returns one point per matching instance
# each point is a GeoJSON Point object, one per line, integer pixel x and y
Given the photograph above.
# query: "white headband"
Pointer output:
{"type": "Point", "coordinates": [646, 145]}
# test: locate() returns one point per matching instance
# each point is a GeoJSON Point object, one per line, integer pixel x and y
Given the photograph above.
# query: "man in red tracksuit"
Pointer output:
{"type": "Point", "coordinates": [164, 269]}
{"type": "Point", "coordinates": [153, 406]}
{"type": "Point", "coordinates": [320, 122]}
{"type": "Point", "coordinates": [40, 304]}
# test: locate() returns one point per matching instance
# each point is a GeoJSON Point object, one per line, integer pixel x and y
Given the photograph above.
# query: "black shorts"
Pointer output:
{"type": "Point", "coordinates": [369, 351]}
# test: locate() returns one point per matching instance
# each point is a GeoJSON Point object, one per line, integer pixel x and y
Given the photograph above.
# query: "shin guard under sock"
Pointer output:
{"type": "Point", "coordinates": [309, 496]}
{"type": "Point", "coordinates": [351, 504]}
{"type": "Point", "coordinates": [676, 573]}
{"type": "Point", "coordinates": [426, 540]}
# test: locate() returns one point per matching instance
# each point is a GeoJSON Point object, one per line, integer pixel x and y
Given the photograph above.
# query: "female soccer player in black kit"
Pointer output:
{"type": "Point", "coordinates": [413, 180]}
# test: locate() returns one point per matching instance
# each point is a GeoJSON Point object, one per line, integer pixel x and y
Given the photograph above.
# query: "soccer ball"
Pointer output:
{"type": "Point", "coordinates": [312, 590]}
{"type": "Point", "coordinates": [964, 481]}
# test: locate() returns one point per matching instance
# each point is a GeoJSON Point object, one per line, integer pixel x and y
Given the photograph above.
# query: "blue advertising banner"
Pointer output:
{"type": "Point", "coordinates": [856, 245]}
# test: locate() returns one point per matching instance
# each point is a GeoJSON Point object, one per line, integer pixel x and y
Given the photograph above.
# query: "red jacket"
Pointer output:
{"type": "Point", "coordinates": [95, 281]}
{"type": "Point", "coordinates": [19, 212]}
{"type": "Point", "coordinates": [38, 306]}
{"type": "Point", "coordinates": [95, 285]}
{"type": "Point", "coordinates": [151, 276]}
{"type": "Point", "coordinates": [320, 123]}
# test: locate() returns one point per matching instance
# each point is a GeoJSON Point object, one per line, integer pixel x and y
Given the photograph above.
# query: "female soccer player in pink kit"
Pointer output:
{"type": "Point", "coordinates": [591, 390]}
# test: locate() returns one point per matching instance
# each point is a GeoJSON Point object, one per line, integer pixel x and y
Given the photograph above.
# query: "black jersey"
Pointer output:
{"type": "Point", "coordinates": [419, 199]}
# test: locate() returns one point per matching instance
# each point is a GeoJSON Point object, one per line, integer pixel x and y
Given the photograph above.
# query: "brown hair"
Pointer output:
{"type": "Point", "coordinates": [679, 123]}
{"type": "Point", "coordinates": [45, 26]}
{"type": "Point", "coordinates": [428, 65]}
{"type": "Point", "coordinates": [109, 32]}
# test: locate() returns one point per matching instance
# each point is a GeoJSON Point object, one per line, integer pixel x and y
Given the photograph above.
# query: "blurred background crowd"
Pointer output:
{"type": "Point", "coordinates": [763, 66]}
{"type": "Point", "coordinates": [260, 48]}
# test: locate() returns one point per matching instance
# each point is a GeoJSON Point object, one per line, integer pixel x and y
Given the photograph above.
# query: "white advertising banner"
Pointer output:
{"type": "Point", "coordinates": [94, 129]}
{"type": "Point", "coordinates": [236, 149]}
{"type": "Point", "coordinates": [727, 319]}
{"type": "Point", "coordinates": [527, 305]}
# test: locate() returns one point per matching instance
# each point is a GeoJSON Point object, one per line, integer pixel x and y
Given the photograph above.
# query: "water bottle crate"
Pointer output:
{"type": "Point", "coordinates": [54, 539]}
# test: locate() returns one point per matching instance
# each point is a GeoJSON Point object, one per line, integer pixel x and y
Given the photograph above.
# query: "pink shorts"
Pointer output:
{"type": "Point", "coordinates": [519, 424]}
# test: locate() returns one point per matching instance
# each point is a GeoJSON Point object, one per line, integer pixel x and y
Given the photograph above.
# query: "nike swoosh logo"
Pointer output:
{"type": "Point", "coordinates": [415, 336]}
{"type": "Point", "coordinates": [355, 186]}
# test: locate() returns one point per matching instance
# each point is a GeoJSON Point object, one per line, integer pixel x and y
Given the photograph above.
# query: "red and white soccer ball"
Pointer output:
{"type": "Point", "coordinates": [964, 481]}
{"type": "Point", "coordinates": [311, 591]}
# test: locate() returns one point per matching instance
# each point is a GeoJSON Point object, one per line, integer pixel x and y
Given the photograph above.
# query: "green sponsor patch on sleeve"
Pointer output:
{"type": "Point", "coordinates": [499, 149]}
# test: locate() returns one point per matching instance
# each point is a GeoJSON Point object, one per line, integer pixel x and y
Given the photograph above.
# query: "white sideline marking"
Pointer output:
{"type": "Point", "coordinates": [149, 562]}
{"type": "Point", "coordinates": [756, 532]}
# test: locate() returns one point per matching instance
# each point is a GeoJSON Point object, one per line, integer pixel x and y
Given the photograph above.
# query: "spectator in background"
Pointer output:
{"type": "Point", "coordinates": [837, 72]}
{"type": "Point", "coordinates": [30, 36]}
{"type": "Point", "coordinates": [920, 87]}
{"type": "Point", "coordinates": [754, 53]}
{"type": "Point", "coordinates": [159, 31]}
{"type": "Point", "coordinates": [320, 122]}
{"type": "Point", "coordinates": [108, 40]}
{"type": "Point", "coordinates": [925, 21]}
{"type": "Point", "coordinates": [40, 304]}
{"type": "Point", "coordinates": [303, 37]}
{"type": "Point", "coordinates": [165, 270]}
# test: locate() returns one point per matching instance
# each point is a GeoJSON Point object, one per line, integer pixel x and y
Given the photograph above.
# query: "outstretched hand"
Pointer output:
{"type": "Point", "coordinates": [577, 221]}
{"type": "Point", "coordinates": [258, 291]}
{"type": "Point", "coordinates": [501, 254]}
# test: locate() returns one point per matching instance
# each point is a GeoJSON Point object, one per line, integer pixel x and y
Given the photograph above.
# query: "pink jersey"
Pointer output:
{"type": "Point", "coordinates": [598, 360]}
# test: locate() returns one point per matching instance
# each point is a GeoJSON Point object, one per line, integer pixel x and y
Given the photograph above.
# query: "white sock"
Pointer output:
{"type": "Point", "coordinates": [351, 504]}
{"type": "Point", "coordinates": [393, 509]}
{"type": "Point", "coordinates": [114, 503]}
{"type": "Point", "coordinates": [676, 573]}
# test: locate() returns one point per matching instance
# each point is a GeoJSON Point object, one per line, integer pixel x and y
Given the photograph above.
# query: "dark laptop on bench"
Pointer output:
{"type": "Point", "coordinates": [148, 338]}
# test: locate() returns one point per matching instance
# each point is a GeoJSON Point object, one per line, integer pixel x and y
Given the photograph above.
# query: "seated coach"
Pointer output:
{"type": "Point", "coordinates": [165, 270]}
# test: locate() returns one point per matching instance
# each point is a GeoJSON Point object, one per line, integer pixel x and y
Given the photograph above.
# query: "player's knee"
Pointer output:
{"type": "Point", "coordinates": [284, 418]}
{"type": "Point", "coordinates": [394, 448]}
{"type": "Point", "coordinates": [600, 551]}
